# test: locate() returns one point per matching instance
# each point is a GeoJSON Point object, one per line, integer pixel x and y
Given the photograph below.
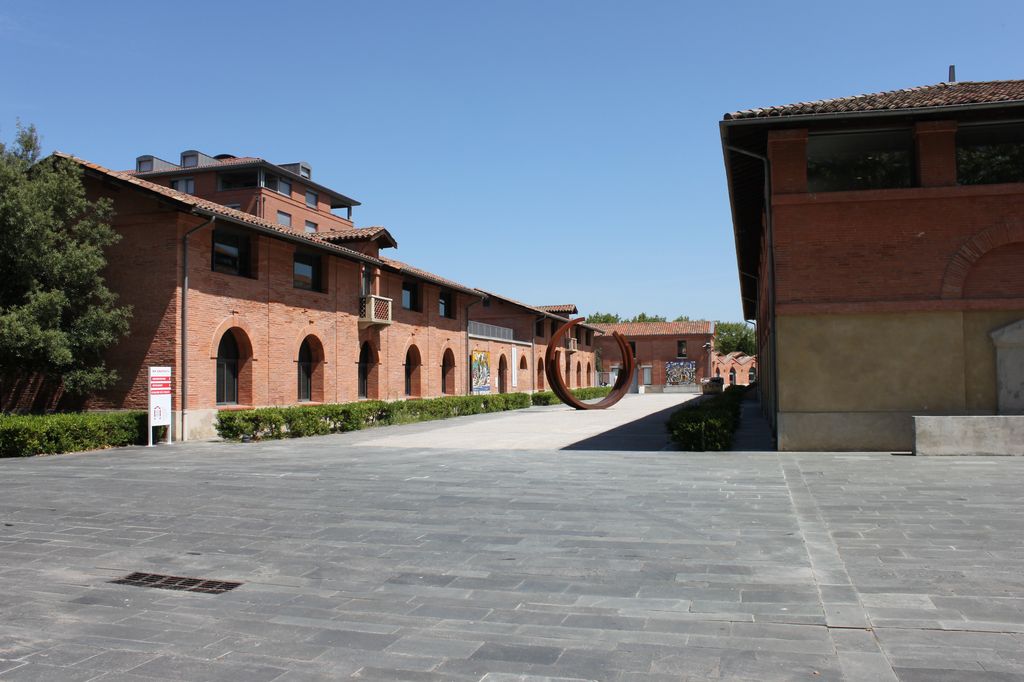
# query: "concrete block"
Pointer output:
{"type": "Point", "coordinates": [969, 435]}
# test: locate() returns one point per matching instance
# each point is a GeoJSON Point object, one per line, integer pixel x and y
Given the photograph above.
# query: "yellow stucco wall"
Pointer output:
{"type": "Point", "coordinates": [855, 381]}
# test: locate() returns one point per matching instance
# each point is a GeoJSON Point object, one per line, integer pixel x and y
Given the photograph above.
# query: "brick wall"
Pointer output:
{"type": "Point", "coordinates": [655, 351]}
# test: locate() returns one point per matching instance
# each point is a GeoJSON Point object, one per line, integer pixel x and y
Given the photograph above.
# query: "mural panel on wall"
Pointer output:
{"type": "Point", "coordinates": [480, 370]}
{"type": "Point", "coordinates": [680, 372]}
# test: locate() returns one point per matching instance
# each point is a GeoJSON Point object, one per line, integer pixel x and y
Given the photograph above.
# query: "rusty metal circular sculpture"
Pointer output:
{"type": "Point", "coordinates": [558, 383]}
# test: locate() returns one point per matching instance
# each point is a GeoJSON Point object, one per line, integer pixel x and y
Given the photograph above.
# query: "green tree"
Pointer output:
{"type": "Point", "coordinates": [57, 315]}
{"type": "Point", "coordinates": [603, 318]}
{"type": "Point", "coordinates": [682, 318]}
{"type": "Point", "coordinates": [644, 317]}
{"type": "Point", "coordinates": [735, 336]}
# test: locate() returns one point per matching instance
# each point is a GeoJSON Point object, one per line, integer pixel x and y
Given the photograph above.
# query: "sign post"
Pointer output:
{"type": "Point", "coordinates": [159, 400]}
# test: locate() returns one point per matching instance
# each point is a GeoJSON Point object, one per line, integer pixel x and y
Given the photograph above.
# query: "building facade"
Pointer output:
{"type": "Point", "coordinates": [735, 369]}
{"type": "Point", "coordinates": [880, 244]}
{"type": "Point", "coordinates": [250, 311]}
{"type": "Point", "coordinates": [670, 356]}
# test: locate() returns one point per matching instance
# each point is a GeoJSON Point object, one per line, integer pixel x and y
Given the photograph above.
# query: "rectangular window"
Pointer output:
{"type": "Point", "coordinates": [590, 337]}
{"type": "Point", "coordinates": [311, 199]}
{"type": "Point", "coordinates": [863, 160]}
{"type": "Point", "coordinates": [284, 218]}
{"type": "Point", "coordinates": [311, 227]}
{"type": "Point", "coordinates": [186, 185]}
{"type": "Point", "coordinates": [307, 272]}
{"type": "Point", "coordinates": [538, 328]}
{"type": "Point", "coordinates": [646, 376]}
{"type": "Point", "coordinates": [144, 165]}
{"type": "Point", "coordinates": [410, 296]}
{"type": "Point", "coordinates": [632, 347]}
{"type": "Point", "coordinates": [990, 154]}
{"type": "Point", "coordinates": [231, 253]}
{"type": "Point", "coordinates": [366, 284]}
{"type": "Point", "coordinates": [446, 305]}
{"type": "Point", "coordinates": [190, 160]}
{"type": "Point", "coordinates": [278, 184]}
{"type": "Point", "coordinates": [239, 180]}
{"type": "Point", "coordinates": [680, 349]}
{"type": "Point", "coordinates": [554, 327]}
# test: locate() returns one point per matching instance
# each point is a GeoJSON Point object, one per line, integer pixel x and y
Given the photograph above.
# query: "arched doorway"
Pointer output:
{"type": "Point", "coordinates": [568, 371]}
{"type": "Point", "coordinates": [590, 375]}
{"type": "Point", "coordinates": [579, 373]}
{"type": "Point", "coordinates": [732, 376]}
{"type": "Point", "coordinates": [503, 375]}
{"type": "Point", "coordinates": [228, 361]}
{"type": "Point", "coordinates": [448, 372]}
{"type": "Point", "coordinates": [523, 374]}
{"type": "Point", "coordinates": [540, 374]}
{"type": "Point", "coordinates": [367, 371]}
{"type": "Point", "coordinates": [412, 372]}
{"type": "Point", "coordinates": [305, 365]}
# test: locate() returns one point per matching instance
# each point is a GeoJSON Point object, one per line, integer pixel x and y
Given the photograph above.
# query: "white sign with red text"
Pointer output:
{"type": "Point", "coordinates": [160, 391]}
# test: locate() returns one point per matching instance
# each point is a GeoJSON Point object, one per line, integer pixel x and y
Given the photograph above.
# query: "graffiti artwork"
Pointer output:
{"type": "Point", "coordinates": [480, 371]}
{"type": "Point", "coordinates": [680, 372]}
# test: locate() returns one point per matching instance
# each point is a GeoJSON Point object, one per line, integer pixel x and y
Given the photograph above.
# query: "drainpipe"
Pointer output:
{"type": "Point", "coordinates": [769, 228]}
{"type": "Point", "coordinates": [184, 324]}
{"type": "Point", "coordinates": [469, 356]}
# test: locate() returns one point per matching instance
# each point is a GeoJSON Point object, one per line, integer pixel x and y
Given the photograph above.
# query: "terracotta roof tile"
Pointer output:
{"type": "Point", "coordinates": [659, 328]}
{"type": "Point", "coordinates": [926, 96]}
{"type": "Point", "coordinates": [563, 309]}
{"type": "Point", "coordinates": [336, 235]}
{"type": "Point", "coordinates": [540, 310]}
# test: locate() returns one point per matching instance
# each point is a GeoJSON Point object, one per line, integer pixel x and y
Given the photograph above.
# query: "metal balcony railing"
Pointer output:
{"type": "Point", "coordinates": [491, 331]}
{"type": "Point", "coordinates": [374, 310]}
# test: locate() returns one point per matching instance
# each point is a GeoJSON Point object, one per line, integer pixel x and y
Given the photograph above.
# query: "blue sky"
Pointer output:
{"type": "Point", "coordinates": [551, 150]}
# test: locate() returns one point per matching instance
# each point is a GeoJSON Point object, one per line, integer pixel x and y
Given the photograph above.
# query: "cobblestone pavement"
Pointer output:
{"type": "Point", "coordinates": [458, 564]}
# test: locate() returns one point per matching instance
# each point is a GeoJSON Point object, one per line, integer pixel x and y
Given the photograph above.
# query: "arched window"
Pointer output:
{"type": "Point", "coordinates": [568, 371]}
{"type": "Point", "coordinates": [227, 370]}
{"type": "Point", "coordinates": [305, 365]}
{"type": "Point", "coordinates": [732, 376]}
{"type": "Point", "coordinates": [579, 373]}
{"type": "Point", "coordinates": [366, 366]}
{"type": "Point", "coordinates": [751, 376]}
{"type": "Point", "coordinates": [718, 371]}
{"type": "Point", "coordinates": [522, 363]}
{"type": "Point", "coordinates": [590, 375]}
{"type": "Point", "coordinates": [412, 371]}
{"type": "Point", "coordinates": [503, 375]}
{"type": "Point", "coordinates": [448, 372]}
{"type": "Point", "coordinates": [540, 374]}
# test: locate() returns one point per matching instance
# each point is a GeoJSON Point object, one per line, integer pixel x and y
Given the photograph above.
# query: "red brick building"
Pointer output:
{"type": "Point", "coordinates": [670, 356]}
{"type": "Point", "coordinates": [735, 369]}
{"type": "Point", "coordinates": [880, 245]}
{"type": "Point", "coordinates": [252, 308]}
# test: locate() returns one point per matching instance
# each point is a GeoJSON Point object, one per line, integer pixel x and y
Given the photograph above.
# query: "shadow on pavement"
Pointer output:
{"type": "Point", "coordinates": [643, 435]}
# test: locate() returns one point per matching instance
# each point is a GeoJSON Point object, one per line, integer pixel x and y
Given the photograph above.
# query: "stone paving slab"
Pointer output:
{"type": "Point", "coordinates": [412, 563]}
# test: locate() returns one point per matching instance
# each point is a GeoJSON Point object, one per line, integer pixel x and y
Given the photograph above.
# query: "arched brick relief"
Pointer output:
{"type": "Point", "coordinates": [971, 251]}
{"type": "Point", "coordinates": [234, 322]}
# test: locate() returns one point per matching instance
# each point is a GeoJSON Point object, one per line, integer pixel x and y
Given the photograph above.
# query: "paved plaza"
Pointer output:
{"type": "Point", "coordinates": [442, 552]}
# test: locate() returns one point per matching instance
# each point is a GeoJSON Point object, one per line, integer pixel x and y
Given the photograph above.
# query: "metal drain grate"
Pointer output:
{"type": "Point", "coordinates": [174, 582]}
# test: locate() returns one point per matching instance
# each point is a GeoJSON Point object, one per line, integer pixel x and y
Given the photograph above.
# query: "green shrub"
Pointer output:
{"type": "Point", "coordinates": [25, 435]}
{"type": "Point", "coordinates": [268, 423]}
{"type": "Point", "coordinates": [708, 424]}
{"type": "Point", "coordinates": [586, 393]}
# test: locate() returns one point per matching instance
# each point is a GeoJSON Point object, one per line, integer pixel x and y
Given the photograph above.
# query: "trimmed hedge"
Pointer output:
{"type": "Point", "coordinates": [586, 393]}
{"type": "Point", "coordinates": [268, 423]}
{"type": "Point", "coordinates": [25, 435]}
{"type": "Point", "coordinates": [708, 424]}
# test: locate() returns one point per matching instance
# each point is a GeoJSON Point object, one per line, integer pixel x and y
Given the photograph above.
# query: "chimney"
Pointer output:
{"type": "Point", "coordinates": [952, 73]}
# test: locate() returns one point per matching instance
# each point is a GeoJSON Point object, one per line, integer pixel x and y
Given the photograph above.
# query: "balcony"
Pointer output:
{"type": "Point", "coordinates": [571, 344]}
{"type": "Point", "coordinates": [374, 310]}
{"type": "Point", "coordinates": [490, 331]}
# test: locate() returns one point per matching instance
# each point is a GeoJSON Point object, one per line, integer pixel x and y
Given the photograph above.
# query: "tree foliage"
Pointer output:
{"type": "Point", "coordinates": [735, 336]}
{"type": "Point", "coordinates": [57, 315]}
{"type": "Point", "coordinates": [644, 317]}
{"type": "Point", "coordinates": [603, 318]}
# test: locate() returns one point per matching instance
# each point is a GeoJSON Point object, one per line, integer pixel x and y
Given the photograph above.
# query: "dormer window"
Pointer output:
{"type": "Point", "coordinates": [189, 160]}
{"type": "Point", "coordinates": [144, 165]}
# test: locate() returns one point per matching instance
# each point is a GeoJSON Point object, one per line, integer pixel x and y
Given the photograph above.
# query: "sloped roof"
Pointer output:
{"type": "Point", "coordinates": [405, 268]}
{"type": "Point", "coordinates": [925, 96]}
{"type": "Point", "coordinates": [359, 234]}
{"type": "Point", "coordinates": [738, 356]}
{"type": "Point", "coordinates": [562, 309]}
{"type": "Point", "coordinates": [212, 207]}
{"type": "Point", "coordinates": [659, 328]}
{"type": "Point", "coordinates": [539, 310]}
